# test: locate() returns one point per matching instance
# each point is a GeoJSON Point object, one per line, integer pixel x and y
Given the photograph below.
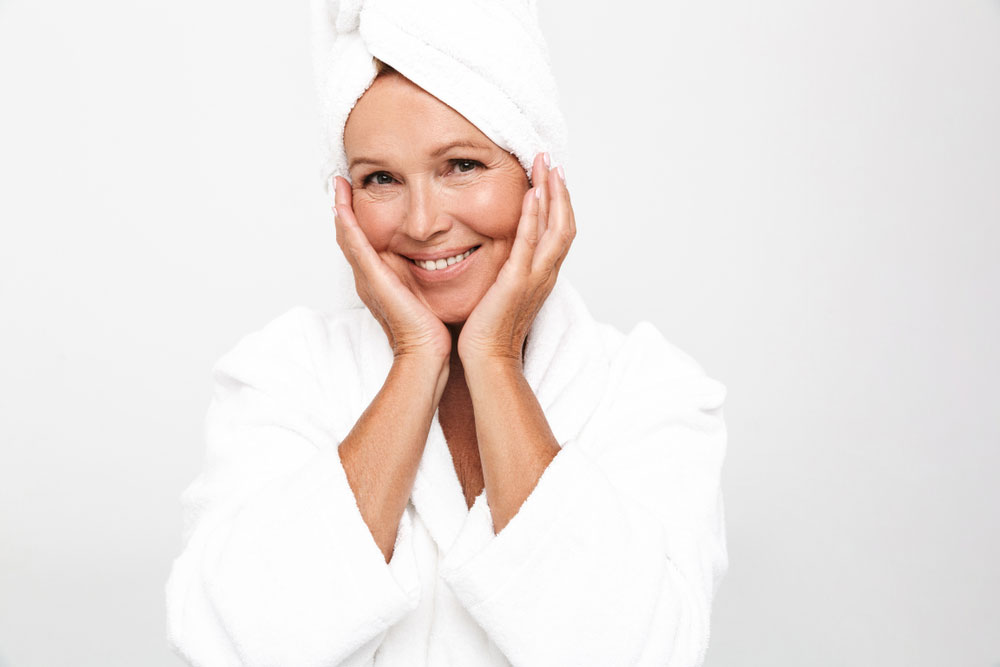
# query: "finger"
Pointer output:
{"type": "Point", "coordinates": [338, 220]}
{"type": "Point", "coordinates": [341, 232]}
{"type": "Point", "coordinates": [370, 272]}
{"type": "Point", "coordinates": [561, 230]}
{"type": "Point", "coordinates": [569, 202]}
{"type": "Point", "coordinates": [354, 238]}
{"type": "Point", "coordinates": [527, 233]}
{"type": "Point", "coordinates": [360, 282]}
{"type": "Point", "coordinates": [372, 276]}
{"type": "Point", "coordinates": [542, 168]}
{"type": "Point", "coordinates": [529, 229]}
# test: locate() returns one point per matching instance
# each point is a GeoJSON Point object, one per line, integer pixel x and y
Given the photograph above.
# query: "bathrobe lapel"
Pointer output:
{"type": "Point", "coordinates": [565, 365]}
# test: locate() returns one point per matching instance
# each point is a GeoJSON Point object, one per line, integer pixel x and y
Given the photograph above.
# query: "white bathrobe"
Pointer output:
{"type": "Point", "coordinates": [613, 559]}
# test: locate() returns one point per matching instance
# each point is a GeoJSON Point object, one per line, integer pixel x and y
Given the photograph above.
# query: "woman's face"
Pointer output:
{"type": "Point", "coordinates": [428, 184]}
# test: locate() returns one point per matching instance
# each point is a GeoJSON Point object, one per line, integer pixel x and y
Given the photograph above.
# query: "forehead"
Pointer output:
{"type": "Point", "coordinates": [394, 112]}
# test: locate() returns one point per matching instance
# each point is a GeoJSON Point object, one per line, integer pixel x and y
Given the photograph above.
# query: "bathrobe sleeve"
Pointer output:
{"type": "Point", "coordinates": [615, 556]}
{"type": "Point", "coordinates": [278, 566]}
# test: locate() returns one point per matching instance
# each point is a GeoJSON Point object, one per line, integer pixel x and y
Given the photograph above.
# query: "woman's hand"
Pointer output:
{"type": "Point", "coordinates": [411, 327]}
{"type": "Point", "coordinates": [497, 327]}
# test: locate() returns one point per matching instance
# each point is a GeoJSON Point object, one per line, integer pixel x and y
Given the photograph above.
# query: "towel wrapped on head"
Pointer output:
{"type": "Point", "coordinates": [486, 59]}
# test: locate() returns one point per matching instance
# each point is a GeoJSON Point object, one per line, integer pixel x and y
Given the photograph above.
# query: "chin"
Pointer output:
{"type": "Point", "coordinates": [453, 316]}
{"type": "Point", "coordinates": [455, 305]}
{"type": "Point", "coordinates": [454, 313]}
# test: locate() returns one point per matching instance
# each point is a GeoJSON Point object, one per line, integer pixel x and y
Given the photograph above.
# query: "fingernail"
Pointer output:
{"type": "Point", "coordinates": [545, 156]}
{"type": "Point", "coordinates": [562, 174]}
{"type": "Point", "coordinates": [538, 193]}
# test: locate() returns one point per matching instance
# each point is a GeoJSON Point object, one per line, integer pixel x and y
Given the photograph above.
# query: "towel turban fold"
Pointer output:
{"type": "Point", "coordinates": [486, 59]}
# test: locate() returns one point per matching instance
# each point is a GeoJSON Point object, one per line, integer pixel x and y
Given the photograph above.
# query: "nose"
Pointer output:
{"type": "Point", "coordinates": [425, 215]}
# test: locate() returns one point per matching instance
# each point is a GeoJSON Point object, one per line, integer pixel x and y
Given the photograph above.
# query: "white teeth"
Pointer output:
{"type": "Point", "coordinates": [443, 263]}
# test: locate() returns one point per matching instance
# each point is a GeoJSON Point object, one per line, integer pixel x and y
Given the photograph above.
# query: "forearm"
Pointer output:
{"type": "Point", "coordinates": [516, 443]}
{"type": "Point", "coordinates": [382, 452]}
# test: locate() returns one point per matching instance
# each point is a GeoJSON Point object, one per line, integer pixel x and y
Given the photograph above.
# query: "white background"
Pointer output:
{"type": "Point", "coordinates": [805, 196]}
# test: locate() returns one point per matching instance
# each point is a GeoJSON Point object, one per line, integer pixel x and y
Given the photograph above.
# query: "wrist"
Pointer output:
{"type": "Point", "coordinates": [493, 358]}
{"type": "Point", "coordinates": [422, 370]}
{"type": "Point", "coordinates": [421, 361]}
{"type": "Point", "coordinates": [492, 367]}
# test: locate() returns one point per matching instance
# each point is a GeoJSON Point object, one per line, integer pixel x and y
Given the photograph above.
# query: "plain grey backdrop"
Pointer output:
{"type": "Point", "coordinates": [805, 196]}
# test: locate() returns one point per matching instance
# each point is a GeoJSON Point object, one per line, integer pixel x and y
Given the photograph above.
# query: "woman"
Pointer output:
{"type": "Point", "coordinates": [469, 469]}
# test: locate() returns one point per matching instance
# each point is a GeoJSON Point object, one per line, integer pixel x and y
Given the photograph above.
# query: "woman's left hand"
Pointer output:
{"type": "Point", "coordinates": [497, 327]}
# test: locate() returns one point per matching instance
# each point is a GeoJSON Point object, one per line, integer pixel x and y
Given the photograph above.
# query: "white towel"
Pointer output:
{"type": "Point", "coordinates": [613, 559]}
{"type": "Point", "coordinates": [486, 59]}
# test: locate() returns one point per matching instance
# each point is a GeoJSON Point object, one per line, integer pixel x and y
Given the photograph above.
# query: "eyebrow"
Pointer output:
{"type": "Point", "coordinates": [437, 152]}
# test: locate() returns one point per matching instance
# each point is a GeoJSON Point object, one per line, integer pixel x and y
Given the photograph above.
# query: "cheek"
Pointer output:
{"type": "Point", "coordinates": [495, 212]}
{"type": "Point", "coordinates": [378, 220]}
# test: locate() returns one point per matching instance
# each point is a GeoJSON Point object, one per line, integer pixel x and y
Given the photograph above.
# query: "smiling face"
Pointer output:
{"type": "Point", "coordinates": [429, 184]}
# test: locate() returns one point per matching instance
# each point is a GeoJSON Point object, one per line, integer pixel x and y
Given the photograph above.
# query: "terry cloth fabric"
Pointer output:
{"type": "Point", "coordinates": [613, 559]}
{"type": "Point", "coordinates": [486, 59]}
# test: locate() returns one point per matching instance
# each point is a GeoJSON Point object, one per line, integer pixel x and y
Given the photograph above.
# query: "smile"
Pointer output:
{"type": "Point", "coordinates": [444, 263]}
{"type": "Point", "coordinates": [442, 269]}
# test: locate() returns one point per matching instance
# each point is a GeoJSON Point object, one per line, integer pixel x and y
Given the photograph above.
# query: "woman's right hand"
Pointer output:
{"type": "Point", "coordinates": [411, 327]}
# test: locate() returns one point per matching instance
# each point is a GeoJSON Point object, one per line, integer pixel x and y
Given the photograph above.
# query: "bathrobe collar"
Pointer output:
{"type": "Point", "coordinates": [565, 365]}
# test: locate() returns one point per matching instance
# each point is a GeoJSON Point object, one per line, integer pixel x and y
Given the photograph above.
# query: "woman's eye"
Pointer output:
{"type": "Point", "coordinates": [465, 166]}
{"type": "Point", "coordinates": [461, 166]}
{"type": "Point", "coordinates": [377, 178]}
